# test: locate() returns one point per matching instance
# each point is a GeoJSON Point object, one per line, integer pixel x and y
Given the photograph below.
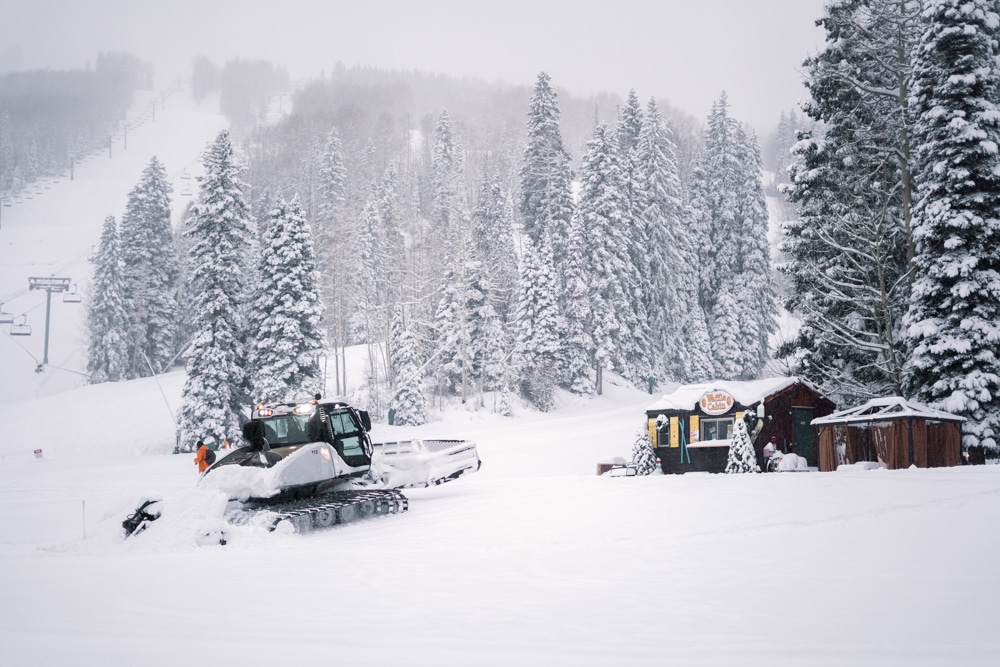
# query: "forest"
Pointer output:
{"type": "Point", "coordinates": [486, 240]}
{"type": "Point", "coordinates": [48, 117]}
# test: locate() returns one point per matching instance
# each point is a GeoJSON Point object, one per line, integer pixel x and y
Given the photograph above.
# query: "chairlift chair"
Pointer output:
{"type": "Point", "coordinates": [5, 317]}
{"type": "Point", "coordinates": [72, 296]}
{"type": "Point", "coordinates": [22, 329]}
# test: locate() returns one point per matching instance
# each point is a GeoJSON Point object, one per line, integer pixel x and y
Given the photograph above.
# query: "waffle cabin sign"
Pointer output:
{"type": "Point", "coordinates": [716, 403]}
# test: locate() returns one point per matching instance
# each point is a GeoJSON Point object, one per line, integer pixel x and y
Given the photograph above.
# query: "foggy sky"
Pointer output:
{"type": "Point", "coordinates": [684, 51]}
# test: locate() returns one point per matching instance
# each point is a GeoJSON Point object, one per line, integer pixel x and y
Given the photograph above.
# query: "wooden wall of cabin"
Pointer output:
{"type": "Point", "coordinates": [935, 444]}
{"type": "Point", "coordinates": [781, 425]}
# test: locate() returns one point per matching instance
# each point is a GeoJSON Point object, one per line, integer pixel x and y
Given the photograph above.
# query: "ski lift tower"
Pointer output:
{"type": "Point", "coordinates": [50, 285]}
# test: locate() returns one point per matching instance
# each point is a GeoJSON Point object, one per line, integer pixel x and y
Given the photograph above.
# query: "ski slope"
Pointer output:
{"type": "Point", "coordinates": [55, 231]}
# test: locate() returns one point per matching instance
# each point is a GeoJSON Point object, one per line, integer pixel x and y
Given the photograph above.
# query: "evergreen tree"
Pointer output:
{"type": "Point", "coordinates": [727, 336]}
{"type": "Point", "coordinates": [285, 318]}
{"type": "Point", "coordinates": [742, 458]}
{"type": "Point", "coordinates": [848, 252]}
{"type": "Point", "coordinates": [106, 313]}
{"type": "Point", "coordinates": [453, 333]}
{"type": "Point", "coordinates": [505, 410]}
{"type": "Point", "coordinates": [184, 330]}
{"type": "Point", "coordinates": [150, 273]}
{"type": "Point", "coordinates": [493, 237]}
{"type": "Point", "coordinates": [643, 457]}
{"type": "Point", "coordinates": [753, 282]}
{"type": "Point", "coordinates": [493, 352]}
{"type": "Point", "coordinates": [448, 212]}
{"type": "Point", "coordinates": [409, 400]}
{"type": "Point", "coordinates": [579, 344]}
{"type": "Point", "coordinates": [212, 398]}
{"type": "Point", "coordinates": [694, 362]}
{"type": "Point", "coordinates": [635, 225]}
{"type": "Point", "coordinates": [617, 325]}
{"type": "Point", "coordinates": [714, 190]}
{"type": "Point", "coordinates": [336, 248]}
{"type": "Point", "coordinates": [953, 324]}
{"type": "Point", "coordinates": [546, 200]}
{"type": "Point", "coordinates": [730, 229]}
{"type": "Point", "coordinates": [662, 214]}
{"type": "Point", "coordinates": [6, 151]}
{"type": "Point", "coordinates": [538, 354]}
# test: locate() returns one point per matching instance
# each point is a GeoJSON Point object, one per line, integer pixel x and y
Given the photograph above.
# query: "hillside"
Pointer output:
{"type": "Point", "coordinates": [55, 231]}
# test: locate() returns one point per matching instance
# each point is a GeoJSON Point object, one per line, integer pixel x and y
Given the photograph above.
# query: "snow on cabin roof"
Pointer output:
{"type": "Point", "coordinates": [686, 397]}
{"type": "Point", "coordinates": [893, 407]}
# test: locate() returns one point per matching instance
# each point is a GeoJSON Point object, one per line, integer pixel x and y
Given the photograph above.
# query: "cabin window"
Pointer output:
{"type": "Point", "coordinates": [717, 429]}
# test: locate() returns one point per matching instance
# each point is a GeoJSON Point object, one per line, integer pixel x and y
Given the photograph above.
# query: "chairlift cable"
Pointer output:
{"type": "Point", "coordinates": [26, 350]}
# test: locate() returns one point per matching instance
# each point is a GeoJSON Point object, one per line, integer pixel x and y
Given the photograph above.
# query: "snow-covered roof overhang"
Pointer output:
{"type": "Point", "coordinates": [686, 397]}
{"type": "Point", "coordinates": [881, 409]}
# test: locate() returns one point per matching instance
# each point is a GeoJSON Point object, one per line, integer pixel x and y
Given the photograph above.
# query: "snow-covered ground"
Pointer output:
{"type": "Point", "coordinates": [533, 560]}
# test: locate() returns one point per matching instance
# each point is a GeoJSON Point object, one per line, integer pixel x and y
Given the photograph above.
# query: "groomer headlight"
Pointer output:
{"type": "Point", "coordinates": [305, 409]}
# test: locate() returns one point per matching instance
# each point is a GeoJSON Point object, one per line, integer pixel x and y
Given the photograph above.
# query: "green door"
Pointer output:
{"type": "Point", "coordinates": [804, 434]}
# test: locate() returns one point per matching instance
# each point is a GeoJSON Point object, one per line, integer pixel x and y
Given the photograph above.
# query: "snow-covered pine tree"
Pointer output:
{"type": "Point", "coordinates": [150, 273]}
{"type": "Point", "coordinates": [448, 212]}
{"type": "Point", "coordinates": [618, 327]}
{"type": "Point", "coordinates": [636, 230]}
{"type": "Point", "coordinates": [285, 347]}
{"type": "Point", "coordinates": [643, 457]}
{"type": "Point", "coordinates": [662, 215]}
{"type": "Point", "coordinates": [730, 228]}
{"type": "Point", "coordinates": [754, 286]}
{"type": "Point", "coordinates": [727, 335]}
{"type": "Point", "coordinates": [579, 344]}
{"type": "Point", "coordinates": [452, 335]}
{"type": "Point", "coordinates": [6, 151]}
{"type": "Point", "coordinates": [392, 343]}
{"type": "Point", "coordinates": [336, 246]}
{"type": "Point", "coordinates": [538, 353]}
{"type": "Point", "coordinates": [504, 409]}
{"type": "Point", "coordinates": [184, 330]}
{"type": "Point", "coordinates": [409, 401]}
{"type": "Point", "coordinates": [953, 324]}
{"type": "Point", "coordinates": [493, 237]}
{"type": "Point", "coordinates": [107, 359]}
{"type": "Point", "coordinates": [212, 399]}
{"type": "Point", "coordinates": [493, 353]}
{"type": "Point", "coordinates": [546, 199]}
{"type": "Point", "coordinates": [848, 252]}
{"type": "Point", "coordinates": [695, 349]}
{"type": "Point", "coordinates": [742, 458]}
{"type": "Point", "coordinates": [714, 187]}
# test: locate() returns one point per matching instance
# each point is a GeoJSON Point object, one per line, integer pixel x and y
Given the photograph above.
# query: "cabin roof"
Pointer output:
{"type": "Point", "coordinates": [880, 409]}
{"type": "Point", "coordinates": [686, 397]}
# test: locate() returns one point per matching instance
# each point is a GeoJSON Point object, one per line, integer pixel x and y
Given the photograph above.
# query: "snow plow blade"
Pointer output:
{"type": "Point", "coordinates": [421, 463]}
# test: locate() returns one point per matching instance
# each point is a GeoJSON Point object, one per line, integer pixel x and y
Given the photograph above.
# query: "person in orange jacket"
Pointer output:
{"type": "Point", "coordinates": [200, 459]}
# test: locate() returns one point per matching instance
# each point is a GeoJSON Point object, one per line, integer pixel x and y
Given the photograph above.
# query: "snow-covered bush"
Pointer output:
{"type": "Point", "coordinates": [643, 457]}
{"type": "Point", "coordinates": [741, 454]}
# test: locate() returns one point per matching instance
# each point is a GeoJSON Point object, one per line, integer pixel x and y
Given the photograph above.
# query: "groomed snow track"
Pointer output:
{"type": "Point", "coordinates": [331, 510]}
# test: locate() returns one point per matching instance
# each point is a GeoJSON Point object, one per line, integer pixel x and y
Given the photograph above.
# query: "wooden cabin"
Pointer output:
{"type": "Point", "coordinates": [696, 421]}
{"type": "Point", "coordinates": [893, 432]}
